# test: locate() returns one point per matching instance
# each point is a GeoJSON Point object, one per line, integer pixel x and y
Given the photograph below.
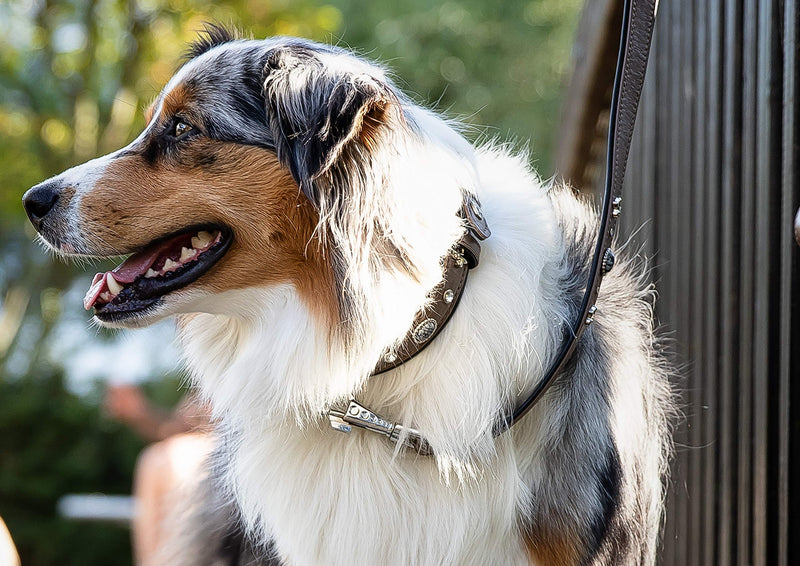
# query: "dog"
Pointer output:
{"type": "Point", "coordinates": [294, 210]}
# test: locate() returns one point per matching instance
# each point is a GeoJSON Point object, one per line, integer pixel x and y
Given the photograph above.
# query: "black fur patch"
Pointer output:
{"type": "Point", "coordinates": [312, 125]}
{"type": "Point", "coordinates": [603, 533]}
{"type": "Point", "coordinates": [209, 37]}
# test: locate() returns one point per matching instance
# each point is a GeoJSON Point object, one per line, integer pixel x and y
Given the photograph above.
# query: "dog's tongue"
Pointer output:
{"type": "Point", "coordinates": [126, 272]}
{"type": "Point", "coordinates": [136, 265]}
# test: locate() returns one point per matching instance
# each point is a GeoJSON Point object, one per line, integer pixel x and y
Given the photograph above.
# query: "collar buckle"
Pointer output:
{"type": "Point", "coordinates": [357, 415]}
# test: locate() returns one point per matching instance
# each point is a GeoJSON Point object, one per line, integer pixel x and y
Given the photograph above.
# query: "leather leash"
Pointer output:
{"type": "Point", "coordinates": [638, 19]}
{"type": "Point", "coordinates": [636, 33]}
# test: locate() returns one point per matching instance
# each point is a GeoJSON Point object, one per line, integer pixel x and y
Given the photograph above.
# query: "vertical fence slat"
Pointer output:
{"type": "Point", "coordinates": [789, 295]}
{"type": "Point", "coordinates": [692, 258]}
{"type": "Point", "coordinates": [661, 221]}
{"type": "Point", "coordinates": [746, 276]}
{"type": "Point", "coordinates": [674, 271]}
{"type": "Point", "coordinates": [729, 288]}
{"type": "Point", "coordinates": [646, 192]}
{"type": "Point", "coordinates": [766, 292]}
{"type": "Point", "coordinates": [709, 174]}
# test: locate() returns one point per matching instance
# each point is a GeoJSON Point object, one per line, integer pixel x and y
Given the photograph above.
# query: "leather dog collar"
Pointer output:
{"type": "Point", "coordinates": [463, 256]}
{"type": "Point", "coordinates": [444, 298]}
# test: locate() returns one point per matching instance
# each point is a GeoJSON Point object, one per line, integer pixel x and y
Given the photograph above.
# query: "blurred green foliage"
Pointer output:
{"type": "Point", "coordinates": [75, 77]}
{"type": "Point", "coordinates": [54, 443]}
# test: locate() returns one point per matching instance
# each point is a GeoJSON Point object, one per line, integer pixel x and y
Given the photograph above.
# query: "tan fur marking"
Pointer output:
{"type": "Point", "coordinates": [67, 193]}
{"type": "Point", "coordinates": [549, 549]}
{"type": "Point", "coordinates": [375, 120]}
{"type": "Point", "coordinates": [242, 187]}
{"type": "Point", "coordinates": [176, 100]}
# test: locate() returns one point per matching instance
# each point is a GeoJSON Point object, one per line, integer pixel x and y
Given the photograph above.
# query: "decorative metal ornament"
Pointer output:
{"type": "Point", "coordinates": [458, 255]}
{"type": "Point", "coordinates": [590, 318]}
{"type": "Point", "coordinates": [616, 206]}
{"type": "Point", "coordinates": [424, 331]}
{"type": "Point", "coordinates": [608, 260]}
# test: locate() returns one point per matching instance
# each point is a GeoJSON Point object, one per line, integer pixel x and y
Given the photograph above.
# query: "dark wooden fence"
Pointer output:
{"type": "Point", "coordinates": [711, 193]}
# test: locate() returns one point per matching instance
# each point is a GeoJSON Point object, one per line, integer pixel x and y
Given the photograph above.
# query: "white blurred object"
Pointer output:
{"type": "Point", "coordinates": [797, 227]}
{"type": "Point", "coordinates": [97, 507]}
{"type": "Point", "coordinates": [119, 358]}
{"type": "Point", "coordinates": [8, 554]}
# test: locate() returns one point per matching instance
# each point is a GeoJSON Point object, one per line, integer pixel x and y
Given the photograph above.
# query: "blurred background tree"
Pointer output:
{"type": "Point", "coordinates": [75, 77]}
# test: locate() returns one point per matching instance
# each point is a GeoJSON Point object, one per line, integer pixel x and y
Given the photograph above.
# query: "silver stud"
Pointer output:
{"type": "Point", "coordinates": [590, 318]}
{"type": "Point", "coordinates": [476, 209]}
{"type": "Point", "coordinates": [458, 255]}
{"type": "Point", "coordinates": [424, 331]}
{"type": "Point", "coordinates": [390, 357]}
{"type": "Point", "coordinates": [449, 296]}
{"type": "Point", "coordinates": [616, 205]}
{"type": "Point", "coordinates": [608, 260]}
{"type": "Point", "coordinates": [354, 410]}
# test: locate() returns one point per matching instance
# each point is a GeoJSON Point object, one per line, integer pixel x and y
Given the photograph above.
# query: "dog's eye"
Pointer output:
{"type": "Point", "coordinates": [182, 128]}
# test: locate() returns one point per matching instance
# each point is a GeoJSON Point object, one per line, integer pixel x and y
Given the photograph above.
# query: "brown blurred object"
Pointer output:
{"type": "Point", "coordinates": [8, 552]}
{"type": "Point", "coordinates": [167, 475]}
{"type": "Point", "coordinates": [165, 468]}
{"type": "Point", "coordinates": [128, 404]}
{"type": "Point", "coordinates": [581, 139]}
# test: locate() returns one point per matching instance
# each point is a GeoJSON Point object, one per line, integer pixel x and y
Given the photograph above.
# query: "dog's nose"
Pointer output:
{"type": "Point", "coordinates": [40, 200]}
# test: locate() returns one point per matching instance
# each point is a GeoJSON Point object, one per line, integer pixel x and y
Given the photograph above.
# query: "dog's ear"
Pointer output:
{"type": "Point", "coordinates": [317, 113]}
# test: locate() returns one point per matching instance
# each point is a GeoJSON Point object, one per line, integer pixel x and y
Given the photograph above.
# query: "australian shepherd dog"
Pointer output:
{"type": "Point", "coordinates": [293, 208]}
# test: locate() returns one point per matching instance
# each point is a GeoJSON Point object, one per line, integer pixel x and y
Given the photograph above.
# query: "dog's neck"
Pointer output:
{"type": "Point", "coordinates": [268, 362]}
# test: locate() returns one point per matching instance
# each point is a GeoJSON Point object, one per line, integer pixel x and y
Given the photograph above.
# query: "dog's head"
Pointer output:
{"type": "Point", "coordinates": [251, 171]}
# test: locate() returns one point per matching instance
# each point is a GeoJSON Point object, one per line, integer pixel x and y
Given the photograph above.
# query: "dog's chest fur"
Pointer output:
{"type": "Point", "coordinates": [326, 497]}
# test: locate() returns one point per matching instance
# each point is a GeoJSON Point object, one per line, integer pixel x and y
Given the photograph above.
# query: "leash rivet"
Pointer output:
{"type": "Point", "coordinates": [617, 206]}
{"type": "Point", "coordinates": [608, 260]}
{"type": "Point", "coordinates": [590, 318]}
{"type": "Point", "coordinates": [458, 255]}
{"type": "Point", "coordinates": [449, 296]}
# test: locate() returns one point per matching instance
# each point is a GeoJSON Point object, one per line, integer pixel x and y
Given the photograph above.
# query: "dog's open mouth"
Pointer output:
{"type": "Point", "coordinates": [162, 267]}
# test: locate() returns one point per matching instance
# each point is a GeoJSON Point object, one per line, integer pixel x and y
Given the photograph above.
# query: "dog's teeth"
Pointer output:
{"type": "Point", "coordinates": [187, 254]}
{"type": "Point", "coordinates": [202, 240]}
{"type": "Point", "coordinates": [169, 265]}
{"type": "Point", "coordinates": [151, 273]}
{"type": "Point", "coordinates": [105, 296]}
{"type": "Point", "coordinates": [113, 285]}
